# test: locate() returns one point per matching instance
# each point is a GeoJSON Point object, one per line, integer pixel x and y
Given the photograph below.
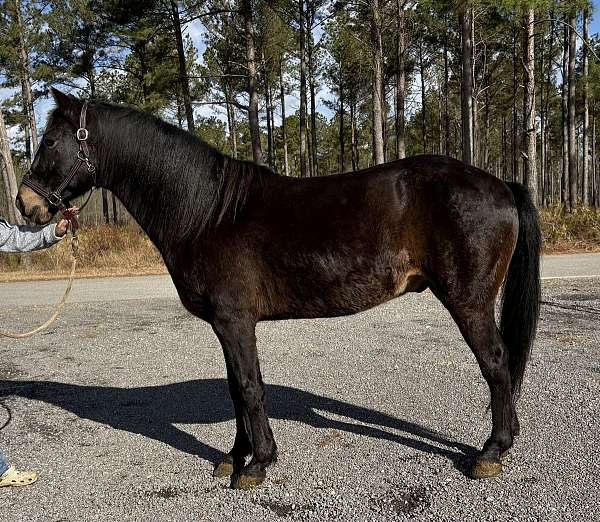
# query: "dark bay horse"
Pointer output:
{"type": "Point", "coordinates": [244, 244]}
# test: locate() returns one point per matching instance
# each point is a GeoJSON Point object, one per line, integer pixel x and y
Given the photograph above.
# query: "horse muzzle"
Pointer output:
{"type": "Point", "coordinates": [33, 207]}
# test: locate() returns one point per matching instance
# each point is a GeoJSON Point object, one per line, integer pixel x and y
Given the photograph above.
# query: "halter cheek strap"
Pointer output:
{"type": "Point", "coordinates": [55, 197]}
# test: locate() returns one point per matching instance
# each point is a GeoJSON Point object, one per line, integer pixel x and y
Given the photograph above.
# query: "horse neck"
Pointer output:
{"type": "Point", "coordinates": [163, 179]}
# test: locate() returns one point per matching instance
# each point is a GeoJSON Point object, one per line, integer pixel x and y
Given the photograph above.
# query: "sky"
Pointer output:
{"type": "Point", "coordinates": [595, 22]}
{"type": "Point", "coordinates": [195, 30]}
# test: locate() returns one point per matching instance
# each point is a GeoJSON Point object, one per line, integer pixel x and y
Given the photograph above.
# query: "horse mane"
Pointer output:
{"type": "Point", "coordinates": [196, 187]}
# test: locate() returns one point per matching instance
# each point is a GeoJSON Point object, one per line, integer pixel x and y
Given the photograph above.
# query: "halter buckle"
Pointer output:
{"type": "Point", "coordinates": [82, 134]}
{"type": "Point", "coordinates": [55, 199]}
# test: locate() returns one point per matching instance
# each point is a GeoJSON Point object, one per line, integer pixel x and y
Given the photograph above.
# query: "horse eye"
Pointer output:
{"type": "Point", "coordinates": [50, 143]}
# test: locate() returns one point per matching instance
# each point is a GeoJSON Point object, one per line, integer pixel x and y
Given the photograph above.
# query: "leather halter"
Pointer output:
{"type": "Point", "coordinates": [83, 158]}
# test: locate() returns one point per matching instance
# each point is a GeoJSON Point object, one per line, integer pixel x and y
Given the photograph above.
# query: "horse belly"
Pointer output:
{"type": "Point", "coordinates": [346, 288]}
{"type": "Point", "coordinates": [372, 291]}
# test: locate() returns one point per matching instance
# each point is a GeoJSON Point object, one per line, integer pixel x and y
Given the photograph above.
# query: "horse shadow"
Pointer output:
{"type": "Point", "coordinates": [153, 411]}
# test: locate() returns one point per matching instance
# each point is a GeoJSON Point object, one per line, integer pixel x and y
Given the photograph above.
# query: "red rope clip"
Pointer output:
{"type": "Point", "coordinates": [70, 217]}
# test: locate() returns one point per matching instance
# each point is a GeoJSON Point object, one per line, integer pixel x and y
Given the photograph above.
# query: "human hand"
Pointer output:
{"type": "Point", "coordinates": [62, 226]}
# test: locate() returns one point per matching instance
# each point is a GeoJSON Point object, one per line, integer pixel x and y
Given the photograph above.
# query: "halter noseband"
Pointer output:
{"type": "Point", "coordinates": [83, 158]}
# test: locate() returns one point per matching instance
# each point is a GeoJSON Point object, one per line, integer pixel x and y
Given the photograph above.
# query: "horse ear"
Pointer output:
{"type": "Point", "coordinates": [68, 105]}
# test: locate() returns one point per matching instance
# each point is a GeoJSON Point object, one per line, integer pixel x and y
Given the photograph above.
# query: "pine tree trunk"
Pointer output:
{"type": "Point", "coordinates": [183, 76]}
{"type": "Point", "coordinates": [564, 182]}
{"type": "Point", "coordinates": [504, 150]}
{"type": "Point", "coordinates": [105, 213]}
{"type": "Point", "coordinates": [467, 85]}
{"type": "Point", "coordinates": [571, 117]}
{"type": "Point", "coordinates": [311, 84]}
{"type": "Point", "coordinates": [384, 125]}
{"type": "Point", "coordinates": [377, 95]}
{"type": "Point", "coordinates": [400, 80]}
{"type": "Point", "coordinates": [341, 122]}
{"type": "Point", "coordinates": [309, 161]}
{"type": "Point", "coordinates": [8, 176]}
{"type": "Point", "coordinates": [179, 113]}
{"type": "Point", "coordinates": [547, 67]}
{"type": "Point", "coordinates": [529, 124]}
{"type": "Point", "coordinates": [273, 140]}
{"type": "Point", "coordinates": [228, 111]}
{"type": "Point", "coordinates": [115, 212]}
{"type": "Point", "coordinates": [302, 129]}
{"type": "Point", "coordinates": [353, 137]}
{"type": "Point", "coordinates": [231, 122]}
{"type": "Point", "coordinates": [474, 105]}
{"type": "Point", "coordinates": [27, 134]}
{"type": "Point", "coordinates": [286, 166]}
{"type": "Point", "coordinates": [252, 89]}
{"type": "Point", "coordinates": [270, 128]}
{"type": "Point", "coordinates": [440, 121]}
{"type": "Point", "coordinates": [423, 100]}
{"type": "Point", "coordinates": [268, 108]}
{"type": "Point", "coordinates": [549, 73]}
{"type": "Point", "coordinates": [486, 141]}
{"type": "Point", "coordinates": [446, 98]}
{"type": "Point", "coordinates": [9, 182]}
{"type": "Point", "coordinates": [140, 52]}
{"type": "Point", "coordinates": [542, 186]}
{"type": "Point", "coordinates": [585, 181]}
{"type": "Point", "coordinates": [515, 124]}
{"type": "Point", "coordinates": [593, 173]}
{"type": "Point", "coordinates": [25, 80]}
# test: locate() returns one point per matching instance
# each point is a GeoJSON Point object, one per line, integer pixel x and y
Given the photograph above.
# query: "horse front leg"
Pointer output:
{"type": "Point", "coordinates": [237, 337]}
{"type": "Point", "coordinates": [235, 460]}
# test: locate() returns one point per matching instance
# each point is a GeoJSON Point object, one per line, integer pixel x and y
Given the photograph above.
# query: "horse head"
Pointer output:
{"type": "Point", "coordinates": [61, 169]}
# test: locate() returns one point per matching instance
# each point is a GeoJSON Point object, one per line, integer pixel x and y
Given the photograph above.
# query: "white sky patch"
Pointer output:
{"type": "Point", "coordinates": [5, 92]}
{"type": "Point", "coordinates": [196, 31]}
{"type": "Point", "coordinates": [14, 135]}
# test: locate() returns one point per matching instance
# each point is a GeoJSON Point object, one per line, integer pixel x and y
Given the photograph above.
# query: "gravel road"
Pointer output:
{"type": "Point", "coordinates": [122, 407]}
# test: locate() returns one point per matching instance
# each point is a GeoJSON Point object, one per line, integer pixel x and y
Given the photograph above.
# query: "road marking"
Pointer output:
{"type": "Point", "coordinates": [571, 277]}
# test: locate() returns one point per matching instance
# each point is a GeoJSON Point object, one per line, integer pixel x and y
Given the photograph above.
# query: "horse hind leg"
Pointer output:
{"type": "Point", "coordinates": [479, 329]}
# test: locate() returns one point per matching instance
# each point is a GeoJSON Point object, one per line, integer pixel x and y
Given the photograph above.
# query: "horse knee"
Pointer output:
{"type": "Point", "coordinates": [496, 374]}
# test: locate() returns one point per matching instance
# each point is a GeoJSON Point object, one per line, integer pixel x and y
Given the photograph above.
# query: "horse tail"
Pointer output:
{"type": "Point", "coordinates": [521, 293]}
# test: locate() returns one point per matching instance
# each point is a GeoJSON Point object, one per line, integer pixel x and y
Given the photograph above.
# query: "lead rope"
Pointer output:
{"type": "Point", "coordinates": [74, 244]}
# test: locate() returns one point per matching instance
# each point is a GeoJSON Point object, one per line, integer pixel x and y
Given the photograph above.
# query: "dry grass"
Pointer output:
{"type": "Point", "coordinates": [104, 251]}
{"type": "Point", "coordinates": [566, 233]}
{"type": "Point", "coordinates": [126, 250]}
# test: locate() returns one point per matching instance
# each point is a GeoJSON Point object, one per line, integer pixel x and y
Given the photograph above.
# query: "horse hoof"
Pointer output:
{"type": "Point", "coordinates": [223, 469]}
{"type": "Point", "coordinates": [486, 468]}
{"type": "Point", "coordinates": [243, 481]}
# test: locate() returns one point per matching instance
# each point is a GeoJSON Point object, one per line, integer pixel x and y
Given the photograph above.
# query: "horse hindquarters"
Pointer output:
{"type": "Point", "coordinates": [468, 289]}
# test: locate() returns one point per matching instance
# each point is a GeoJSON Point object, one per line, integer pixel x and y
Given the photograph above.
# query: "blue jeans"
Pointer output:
{"type": "Point", "coordinates": [3, 464]}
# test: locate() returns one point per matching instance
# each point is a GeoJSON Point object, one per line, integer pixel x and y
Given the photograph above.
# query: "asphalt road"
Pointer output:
{"type": "Point", "coordinates": [122, 408]}
{"type": "Point", "coordinates": [152, 287]}
{"type": "Point", "coordinates": [571, 266]}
